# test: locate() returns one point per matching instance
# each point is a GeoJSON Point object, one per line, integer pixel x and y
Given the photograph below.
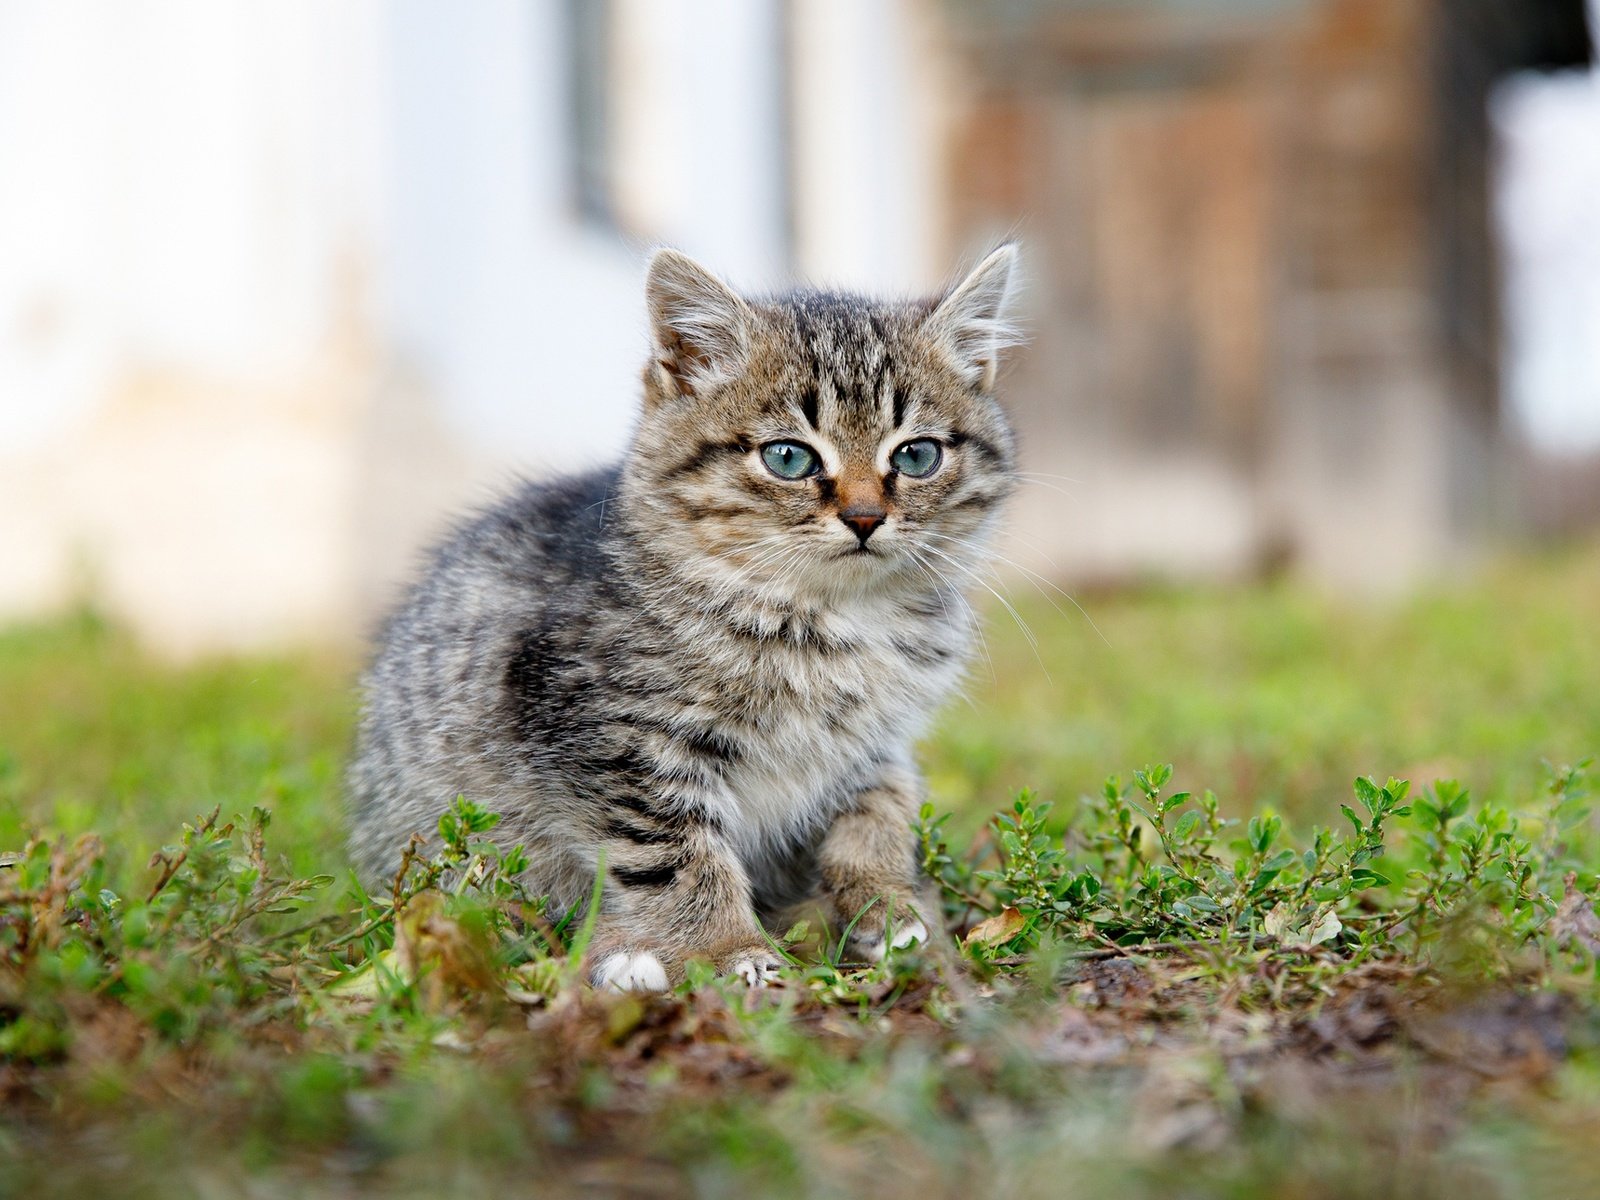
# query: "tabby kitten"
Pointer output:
{"type": "Point", "coordinates": [706, 666]}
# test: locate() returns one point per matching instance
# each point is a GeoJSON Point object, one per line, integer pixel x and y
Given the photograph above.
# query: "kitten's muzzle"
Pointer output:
{"type": "Point", "coordinates": [862, 520]}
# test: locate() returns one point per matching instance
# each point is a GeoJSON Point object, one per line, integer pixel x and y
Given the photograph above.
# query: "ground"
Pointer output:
{"type": "Point", "coordinates": [1157, 1003]}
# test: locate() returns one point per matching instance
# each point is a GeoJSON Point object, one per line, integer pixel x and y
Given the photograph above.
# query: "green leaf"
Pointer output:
{"type": "Point", "coordinates": [1186, 825]}
{"type": "Point", "coordinates": [1370, 795]}
{"type": "Point", "coordinates": [1255, 834]}
{"type": "Point", "coordinates": [1279, 861]}
{"type": "Point", "coordinates": [1261, 831]}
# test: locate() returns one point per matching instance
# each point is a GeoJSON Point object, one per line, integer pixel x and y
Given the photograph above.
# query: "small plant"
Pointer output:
{"type": "Point", "coordinates": [458, 923]}
{"type": "Point", "coordinates": [210, 943]}
{"type": "Point", "coordinates": [222, 934]}
{"type": "Point", "coordinates": [203, 942]}
{"type": "Point", "coordinates": [1140, 868]}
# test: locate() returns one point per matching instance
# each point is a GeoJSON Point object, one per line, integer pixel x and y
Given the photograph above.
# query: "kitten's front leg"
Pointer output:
{"type": "Point", "coordinates": [869, 869]}
{"type": "Point", "coordinates": [668, 900]}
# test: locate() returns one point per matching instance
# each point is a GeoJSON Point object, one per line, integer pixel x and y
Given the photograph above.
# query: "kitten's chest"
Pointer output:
{"type": "Point", "coordinates": [815, 720]}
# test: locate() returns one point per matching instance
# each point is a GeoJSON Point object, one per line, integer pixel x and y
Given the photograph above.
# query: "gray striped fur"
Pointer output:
{"type": "Point", "coordinates": [693, 667]}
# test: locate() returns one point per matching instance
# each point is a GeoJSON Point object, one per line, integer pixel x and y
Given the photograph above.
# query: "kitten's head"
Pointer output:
{"type": "Point", "coordinates": [819, 444]}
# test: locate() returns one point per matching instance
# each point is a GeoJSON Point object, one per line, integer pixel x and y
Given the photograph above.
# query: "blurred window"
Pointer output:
{"type": "Point", "coordinates": [679, 123]}
{"type": "Point", "coordinates": [589, 24]}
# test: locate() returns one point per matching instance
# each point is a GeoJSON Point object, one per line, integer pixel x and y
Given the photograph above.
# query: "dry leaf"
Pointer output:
{"type": "Point", "coordinates": [995, 930]}
{"type": "Point", "coordinates": [364, 983]}
{"type": "Point", "coordinates": [1575, 919]}
{"type": "Point", "coordinates": [1280, 926]}
{"type": "Point", "coordinates": [449, 963]}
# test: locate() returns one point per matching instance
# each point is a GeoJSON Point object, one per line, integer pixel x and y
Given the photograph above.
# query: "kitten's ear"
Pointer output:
{"type": "Point", "coordinates": [970, 323]}
{"type": "Point", "coordinates": [699, 328]}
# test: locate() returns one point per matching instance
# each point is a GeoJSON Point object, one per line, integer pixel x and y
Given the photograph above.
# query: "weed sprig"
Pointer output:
{"type": "Point", "coordinates": [222, 934]}
{"type": "Point", "coordinates": [1138, 867]}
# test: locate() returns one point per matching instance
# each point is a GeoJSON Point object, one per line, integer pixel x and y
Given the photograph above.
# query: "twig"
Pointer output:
{"type": "Point", "coordinates": [1105, 952]}
{"type": "Point", "coordinates": [170, 867]}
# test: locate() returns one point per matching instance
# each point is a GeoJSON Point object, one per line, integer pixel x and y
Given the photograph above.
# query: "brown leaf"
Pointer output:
{"type": "Point", "coordinates": [1295, 929]}
{"type": "Point", "coordinates": [995, 930]}
{"type": "Point", "coordinates": [1575, 919]}
{"type": "Point", "coordinates": [450, 964]}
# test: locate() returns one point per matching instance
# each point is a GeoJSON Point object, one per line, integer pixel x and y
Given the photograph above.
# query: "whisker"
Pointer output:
{"type": "Point", "coordinates": [1040, 582]}
{"type": "Point", "coordinates": [723, 590]}
{"type": "Point", "coordinates": [972, 574]}
{"type": "Point", "coordinates": [1041, 483]}
{"type": "Point", "coordinates": [944, 592]}
{"type": "Point", "coordinates": [1048, 475]}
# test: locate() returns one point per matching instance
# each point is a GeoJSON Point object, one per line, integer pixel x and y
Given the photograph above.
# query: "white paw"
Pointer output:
{"type": "Point", "coordinates": [757, 972]}
{"type": "Point", "coordinates": [906, 933]}
{"type": "Point", "coordinates": [625, 972]}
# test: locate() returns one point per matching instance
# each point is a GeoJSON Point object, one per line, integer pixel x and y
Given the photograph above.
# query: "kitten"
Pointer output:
{"type": "Point", "coordinates": [708, 663]}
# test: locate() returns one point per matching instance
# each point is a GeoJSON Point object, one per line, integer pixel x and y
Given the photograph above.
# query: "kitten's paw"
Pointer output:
{"type": "Point", "coordinates": [630, 972]}
{"type": "Point", "coordinates": [909, 932]}
{"type": "Point", "coordinates": [757, 967]}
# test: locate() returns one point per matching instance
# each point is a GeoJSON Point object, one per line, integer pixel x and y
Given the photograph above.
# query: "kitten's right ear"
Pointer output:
{"type": "Point", "coordinates": [699, 328]}
{"type": "Point", "coordinates": [970, 323]}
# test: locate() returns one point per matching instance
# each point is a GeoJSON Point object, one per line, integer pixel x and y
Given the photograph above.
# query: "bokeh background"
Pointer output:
{"type": "Point", "coordinates": [1310, 409]}
{"type": "Point", "coordinates": [1310, 284]}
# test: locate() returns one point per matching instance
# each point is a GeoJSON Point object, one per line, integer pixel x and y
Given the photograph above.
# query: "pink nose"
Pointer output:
{"type": "Point", "coordinates": [862, 520]}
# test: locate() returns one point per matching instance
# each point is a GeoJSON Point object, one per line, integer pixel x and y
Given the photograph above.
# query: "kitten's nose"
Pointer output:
{"type": "Point", "coordinates": [862, 520]}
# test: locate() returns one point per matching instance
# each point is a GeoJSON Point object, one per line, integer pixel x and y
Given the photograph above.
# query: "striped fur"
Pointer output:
{"type": "Point", "coordinates": [693, 668]}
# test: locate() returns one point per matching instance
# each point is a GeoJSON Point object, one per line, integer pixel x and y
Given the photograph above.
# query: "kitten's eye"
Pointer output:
{"type": "Point", "coordinates": [790, 460]}
{"type": "Point", "coordinates": [918, 458]}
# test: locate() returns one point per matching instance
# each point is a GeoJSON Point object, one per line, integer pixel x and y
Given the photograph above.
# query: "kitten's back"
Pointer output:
{"type": "Point", "coordinates": [534, 561]}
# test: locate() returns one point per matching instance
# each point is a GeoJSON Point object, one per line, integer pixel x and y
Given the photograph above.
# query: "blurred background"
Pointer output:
{"type": "Point", "coordinates": [1311, 285]}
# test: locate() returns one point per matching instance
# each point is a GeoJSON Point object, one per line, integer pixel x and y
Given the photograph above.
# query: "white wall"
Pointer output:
{"type": "Point", "coordinates": [524, 324]}
{"type": "Point", "coordinates": [182, 187]}
{"type": "Point", "coordinates": [870, 97]}
{"type": "Point", "coordinates": [177, 176]}
{"type": "Point", "coordinates": [282, 280]}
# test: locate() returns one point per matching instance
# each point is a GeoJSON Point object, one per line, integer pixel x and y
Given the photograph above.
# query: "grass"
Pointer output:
{"type": "Point", "coordinates": [96, 737]}
{"type": "Point", "coordinates": [1163, 994]}
{"type": "Point", "coordinates": [1277, 697]}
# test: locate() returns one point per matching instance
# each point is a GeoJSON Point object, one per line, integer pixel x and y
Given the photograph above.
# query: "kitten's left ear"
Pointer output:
{"type": "Point", "coordinates": [970, 324]}
{"type": "Point", "coordinates": [699, 327]}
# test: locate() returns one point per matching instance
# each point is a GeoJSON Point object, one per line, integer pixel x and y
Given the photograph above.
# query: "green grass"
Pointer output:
{"type": "Point", "coordinates": [95, 736]}
{"type": "Point", "coordinates": [1144, 1035]}
{"type": "Point", "coordinates": [1278, 698]}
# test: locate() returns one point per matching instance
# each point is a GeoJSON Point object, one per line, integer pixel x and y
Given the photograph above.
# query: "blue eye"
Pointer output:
{"type": "Point", "coordinates": [918, 458]}
{"type": "Point", "coordinates": [789, 460]}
